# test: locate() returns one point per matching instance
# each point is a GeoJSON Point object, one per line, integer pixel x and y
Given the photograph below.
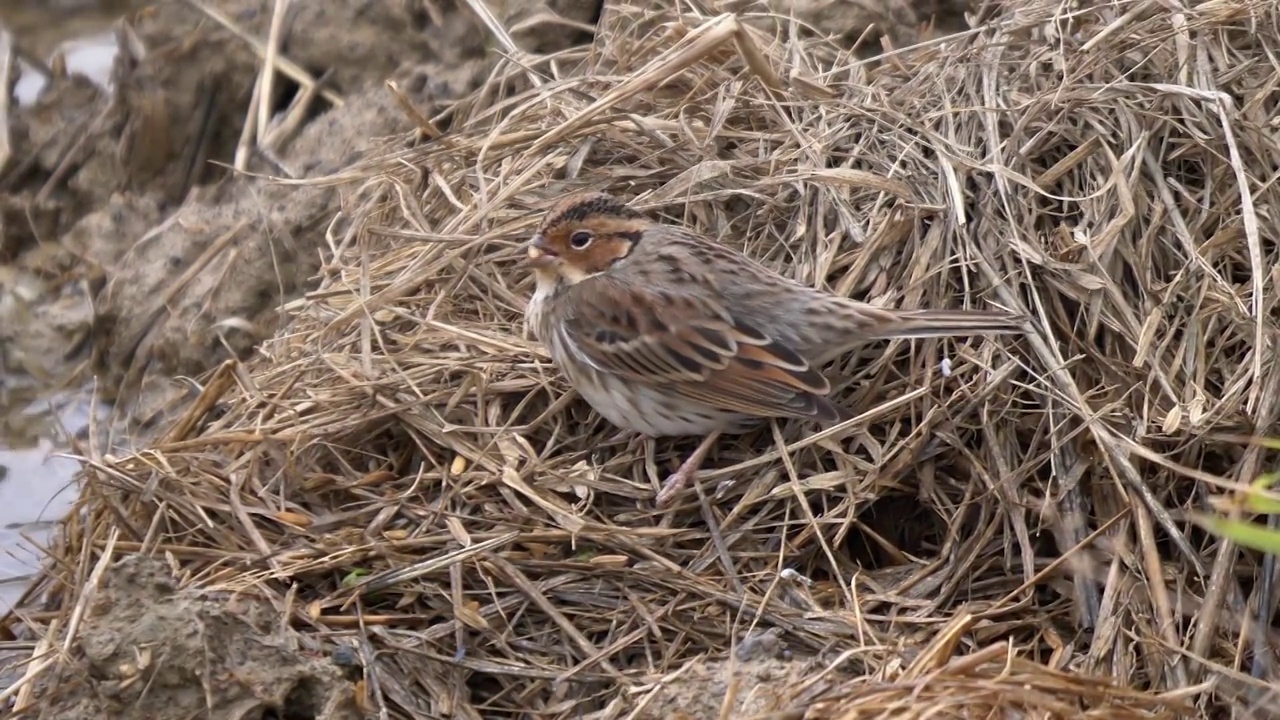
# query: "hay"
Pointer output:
{"type": "Point", "coordinates": [403, 471]}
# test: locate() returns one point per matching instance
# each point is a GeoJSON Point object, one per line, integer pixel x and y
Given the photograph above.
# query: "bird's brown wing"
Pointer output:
{"type": "Point", "coordinates": [687, 342]}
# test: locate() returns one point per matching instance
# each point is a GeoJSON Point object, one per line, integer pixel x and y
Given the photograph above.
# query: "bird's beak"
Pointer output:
{"type": "Point", "coordinates": [539, 254]}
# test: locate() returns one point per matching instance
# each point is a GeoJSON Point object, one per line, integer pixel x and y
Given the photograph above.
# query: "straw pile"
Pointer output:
{"type": "Point", "coordinates": [401, 470]}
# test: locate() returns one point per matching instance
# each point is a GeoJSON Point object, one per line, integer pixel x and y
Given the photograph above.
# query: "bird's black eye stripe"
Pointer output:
{"type": "Point", "coordinates": [580, 239]}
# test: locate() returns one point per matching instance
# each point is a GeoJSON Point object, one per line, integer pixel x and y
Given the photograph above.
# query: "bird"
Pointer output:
{"type": "Point", "coordinates": [666, 332]}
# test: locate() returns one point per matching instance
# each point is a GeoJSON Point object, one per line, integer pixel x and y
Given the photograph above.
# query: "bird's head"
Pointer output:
{"type": "Point", "coordinates": [585, 235]}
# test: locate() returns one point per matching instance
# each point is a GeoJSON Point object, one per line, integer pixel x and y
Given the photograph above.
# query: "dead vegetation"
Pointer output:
{"type": "Point", "coordinates": [401, 471]}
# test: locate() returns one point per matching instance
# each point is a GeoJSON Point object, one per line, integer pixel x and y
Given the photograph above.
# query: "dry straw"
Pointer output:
{"type": "Point", "coordinates": [1003, 538]}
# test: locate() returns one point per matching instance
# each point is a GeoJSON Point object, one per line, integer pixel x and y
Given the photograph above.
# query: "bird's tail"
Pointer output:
{"type": "Point", "coordinates": [836, 325]}
{"type": "Point", "coordinates": [945, 323]}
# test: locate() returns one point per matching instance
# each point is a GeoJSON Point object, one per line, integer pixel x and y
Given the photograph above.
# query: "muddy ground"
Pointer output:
{"type": "Point", "coordinates": [130, 254]}
{"type": "Point", "coordinates": [152, 650]}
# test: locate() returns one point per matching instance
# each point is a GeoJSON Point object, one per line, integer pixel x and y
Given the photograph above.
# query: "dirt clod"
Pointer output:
{"type": "Point", "coordinates": [751, 689]}
{"type": "Point", "coordinates": [149, 649]}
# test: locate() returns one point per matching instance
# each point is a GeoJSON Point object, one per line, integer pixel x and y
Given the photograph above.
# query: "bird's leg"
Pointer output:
{"type": "Point", "coordinates": [681, 477]}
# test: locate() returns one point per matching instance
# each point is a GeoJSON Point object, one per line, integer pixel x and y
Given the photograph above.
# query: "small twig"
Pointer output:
{"type": "Point", "coordinates": [282, 64]}
{"type": "Point", "coordinates": [287, 124]}
{"type": "Point", "coordinates": [244, 146]}
{"type": "Point", "coordinates": [425, 126]}
{"type": "Point", "coordinates": [6, 82]}
{"type": "Point", "coordinates": [38, 657]}
{"type": "Point", "coordinates": [274, 38]}
{"type": "Point", "coordinates": [198, 149]}
{"type": "Point", "coordinates": [495, 27]}
{"type": "Point", "coordinates": [222, 381]}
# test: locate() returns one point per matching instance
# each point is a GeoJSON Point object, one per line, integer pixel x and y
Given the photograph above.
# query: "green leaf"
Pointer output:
{"type": "Point", "coordinates": [1258, 499]}
{"type": "Point", "coordinates": [1271, 443]}
{"type": "Point", "coordinates": [1250, 535]}
{"type": "Point", "coordinates": [353, 577]}
{"type": "Point", "coordinates": [1266, 480]}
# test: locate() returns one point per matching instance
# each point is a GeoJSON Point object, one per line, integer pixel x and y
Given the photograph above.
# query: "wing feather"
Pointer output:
{"type": "Point", "coordinates": [688, 342]}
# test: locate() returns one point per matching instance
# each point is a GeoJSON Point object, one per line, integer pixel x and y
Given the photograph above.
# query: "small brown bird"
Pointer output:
{"type": "Point", "coordinates": [665, 332]}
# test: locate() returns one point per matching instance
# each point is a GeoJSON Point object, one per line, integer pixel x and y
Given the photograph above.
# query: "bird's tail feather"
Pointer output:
{"type": "Point", "coordinates": [945, 323]}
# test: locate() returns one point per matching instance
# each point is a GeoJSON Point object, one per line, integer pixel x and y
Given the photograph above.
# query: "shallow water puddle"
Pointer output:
{"type": "Point", "coordinates": [36, 487]}
{"type": "Point", "coordinates": [79, 29]}
{"type": "Point", "coordinates": [90, 56]}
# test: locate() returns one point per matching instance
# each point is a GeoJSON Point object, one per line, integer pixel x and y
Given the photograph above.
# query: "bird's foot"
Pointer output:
{"type": "Point", "coordinates": [677, 481]}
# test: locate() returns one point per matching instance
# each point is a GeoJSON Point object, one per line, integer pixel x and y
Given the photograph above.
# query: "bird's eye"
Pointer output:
{"type": "Point", "coordinates": [581, 239]}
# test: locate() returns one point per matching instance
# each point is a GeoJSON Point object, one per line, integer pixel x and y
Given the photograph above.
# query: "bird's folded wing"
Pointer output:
{"type": "Point", "coordinates": [687, 342]}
